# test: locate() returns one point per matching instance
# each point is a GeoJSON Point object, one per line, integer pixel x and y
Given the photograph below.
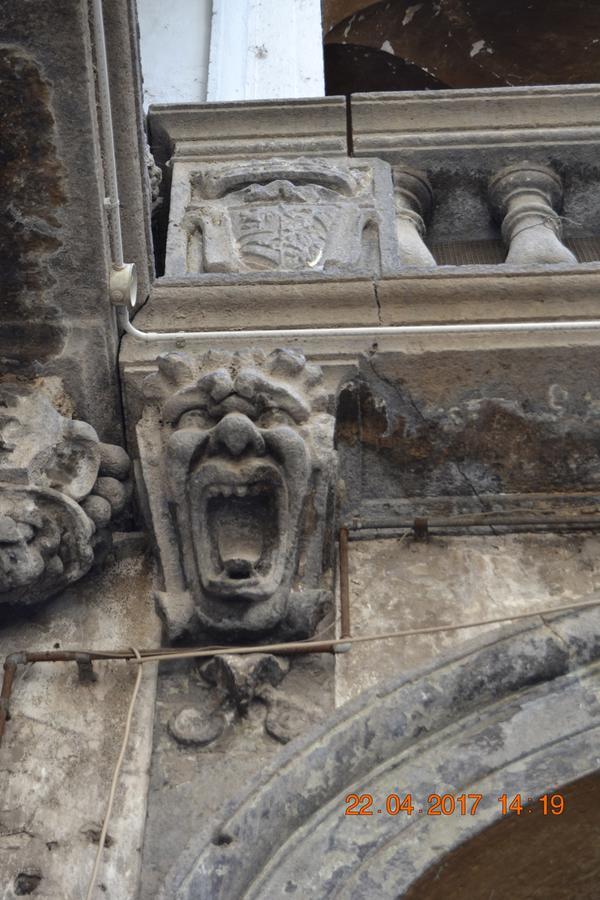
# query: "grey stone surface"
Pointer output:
{"type": "Point", "coordinates": [53, 517]}
{"type": "Point", "coordinates": [243, 512]}
{"type": "Point", "coordinates": [189, 785]}
{"type": "Point", "coordinates": [514, 712]}
{"type": "Point", "coordinates": [450, 580]}
{"type": "Point", "coordinates": [63, 738]}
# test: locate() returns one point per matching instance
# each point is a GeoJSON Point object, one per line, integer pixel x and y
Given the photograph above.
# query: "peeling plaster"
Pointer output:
{"type": "Point", "coordinates": [410, 13]}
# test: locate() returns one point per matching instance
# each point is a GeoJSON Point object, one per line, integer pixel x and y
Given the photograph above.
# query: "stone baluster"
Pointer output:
{"type": "Point", "coordinates": [413, 201]}
{"type": "Point", "coordinates": [526, 197]}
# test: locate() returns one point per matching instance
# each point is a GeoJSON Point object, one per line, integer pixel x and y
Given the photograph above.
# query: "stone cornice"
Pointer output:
{"type": "Point", "coordinates": [261, 128]}
{"type": "Point", "coordinates": [449, 120]}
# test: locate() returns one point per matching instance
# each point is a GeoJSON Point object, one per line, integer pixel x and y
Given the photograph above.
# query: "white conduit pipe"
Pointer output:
{"type": "Point", "coordinates": [123, 280]}
{"type": "Point", "coordinates": [372, 331]}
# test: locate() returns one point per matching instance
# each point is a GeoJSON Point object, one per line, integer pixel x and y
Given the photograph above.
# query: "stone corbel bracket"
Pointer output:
{"type": "Point", "coordinates": [413, 199]}
{"type": "Point", "coordinates": [527, 197]}
{"type": "Point", "coordinates": [238, 468]}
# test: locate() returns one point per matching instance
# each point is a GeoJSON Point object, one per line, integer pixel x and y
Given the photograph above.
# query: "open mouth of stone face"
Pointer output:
{"type": "Point", "coordinates": [240, 532]}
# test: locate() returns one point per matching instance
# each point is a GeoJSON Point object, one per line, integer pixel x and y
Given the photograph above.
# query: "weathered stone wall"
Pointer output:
{"type": "Point", "coordinates": [56, 318]}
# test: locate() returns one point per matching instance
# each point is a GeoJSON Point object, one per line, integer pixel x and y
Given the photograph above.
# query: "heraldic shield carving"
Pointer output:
{"type": "Point", "coordinates": [278, 214]}
{"type": "Point", "coordinates": [239, 467]}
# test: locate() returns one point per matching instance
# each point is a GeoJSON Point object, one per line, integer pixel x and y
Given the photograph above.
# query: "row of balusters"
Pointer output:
{"type": "Point", "coordinates": [526, 197]}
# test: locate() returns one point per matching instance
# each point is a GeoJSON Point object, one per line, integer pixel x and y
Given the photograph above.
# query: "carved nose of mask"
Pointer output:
{"type": "Point", "coordinates": [236, 434]}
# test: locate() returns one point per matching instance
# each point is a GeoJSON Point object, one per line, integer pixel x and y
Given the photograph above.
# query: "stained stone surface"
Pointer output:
{"type": "Point", "coordinates": [396, 585]}
{"type": "Point", "coordinates": [190, 783]}
{"type": "Point", "coordinates": [462, 424]}
{"type": "Point", "coordinates": [63, 738]}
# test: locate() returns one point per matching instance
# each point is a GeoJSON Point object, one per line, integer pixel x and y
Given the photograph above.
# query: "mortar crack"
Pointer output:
{"type": "Point", "coordinates": [475, 492]}
{"type": "Point", "coordinates": [378, 303]}
{"type": "Point", "coordinates": [557, 635]}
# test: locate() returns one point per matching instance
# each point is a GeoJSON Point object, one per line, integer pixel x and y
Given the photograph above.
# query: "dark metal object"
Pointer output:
{"type": "Point", "coordinates": [86, 669]}
{"type": "Point", "coordinates": [344, 584]}
{"type": "Point", "coordinates": [421, 528]}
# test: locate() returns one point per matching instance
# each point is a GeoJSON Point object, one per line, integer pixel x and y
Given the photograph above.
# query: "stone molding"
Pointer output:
{"type": "Point", "coordinates": [448, 121]}
{"type": "Point", "coordinates": [217, 131]}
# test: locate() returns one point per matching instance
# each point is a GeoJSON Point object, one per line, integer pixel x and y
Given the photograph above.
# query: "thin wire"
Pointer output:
{"type": "Point", "coordinates": [115, 778]}
{"type": "Point", "coordinates": [334, 642]}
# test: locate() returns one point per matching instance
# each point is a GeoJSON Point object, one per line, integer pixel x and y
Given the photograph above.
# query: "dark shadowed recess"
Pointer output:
{"type": "Point", "coordinates": [528, 855]}
{"type": "Point", "coordinates": [404, 45]}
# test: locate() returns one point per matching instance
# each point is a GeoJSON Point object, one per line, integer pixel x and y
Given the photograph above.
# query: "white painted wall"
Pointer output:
{"type": "Point", "coordinates": [175, 41]}
{"type": "Point", "coordinates": [259, 50]}
{"type": "Point", "coordinates": [266, 49]}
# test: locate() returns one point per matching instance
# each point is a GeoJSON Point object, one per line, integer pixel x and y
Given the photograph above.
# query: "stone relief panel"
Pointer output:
{"type": "Point", "coordinates": [239, 468]}
{"type": "Point", "coordinates": [59, 488]}
{"type": "Point", "coordinates": [281, 215]}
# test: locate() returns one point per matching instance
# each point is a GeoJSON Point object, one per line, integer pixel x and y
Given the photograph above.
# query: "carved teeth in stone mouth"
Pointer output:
{"type": "Point", "coordinates": [236, 490]}
{"type": "Point", "coordinates": [242, 523]}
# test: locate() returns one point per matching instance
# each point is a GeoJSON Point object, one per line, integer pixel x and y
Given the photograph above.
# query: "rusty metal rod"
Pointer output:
{"type": "Point", "coordinates": [335, 645]}
{"type": "Point", "coordinates": [344, 583]}
{"type": "Point", "coordinates": [10, 670]}
{"type": "Point", "coordinates": [84, 658]}
{"type": "Point", "coordinates": [491, 519]}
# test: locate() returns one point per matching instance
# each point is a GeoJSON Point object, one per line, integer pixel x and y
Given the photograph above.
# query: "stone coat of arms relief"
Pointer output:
{"type": "Point", "coordinates": [281, 215]}
{"type": "Point", "coordinates": [239, 468]}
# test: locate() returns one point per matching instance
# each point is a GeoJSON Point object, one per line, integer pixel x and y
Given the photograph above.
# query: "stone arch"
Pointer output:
{"type": "Point", "coordinates": [516, 712]}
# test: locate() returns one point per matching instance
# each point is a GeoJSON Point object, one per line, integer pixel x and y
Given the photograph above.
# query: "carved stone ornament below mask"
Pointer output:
{"type": "Point", "coordinates": [240, 481]}
{"type": "Point", "coordinates": [54, 508]}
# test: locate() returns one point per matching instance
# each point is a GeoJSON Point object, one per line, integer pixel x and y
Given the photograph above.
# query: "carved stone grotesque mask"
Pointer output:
{"type": "Point", "coordinates": [53, 507]}
{"type": "Point", "coordinates": [249, 461]}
